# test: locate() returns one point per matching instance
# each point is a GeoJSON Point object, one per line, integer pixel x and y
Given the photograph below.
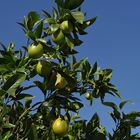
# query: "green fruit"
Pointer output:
{"type": "Point", "coordinates": [58, 37]}
{"type": "Point", "coordinates": [88, 96]}
{"type": "Point", "coordinates": [66, 26]}
{"type": "Point", "coordinates": [60, 127]}
{"type": "Point", "coordinates": [43, 68]}
{"type": "Point", "coordinates": [35, 51]}
{"type": "Point", "coordinates": [60, 81]}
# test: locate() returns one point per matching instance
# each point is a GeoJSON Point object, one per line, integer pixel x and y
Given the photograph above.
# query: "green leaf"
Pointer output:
{"type": "Point", "coordinates": [13, 83]}
{"type": "Point", "coordinates": [38, 30]}
{"type": "Point", "coordinates": [3, 46]}
{"type": "Point", "coordinates": [28, 103]}
{"type": "Point", "coordinates": [75, 105]}
{"type": "Point", "coordinates": [107, 74]}
{"type": "Point", "coordinates": [133, 114]}
{"type": "Point", "coordinates": [41, 40]}
{"type": "Point", "coordinates": [123, 103]}
{"type": "Point", "coordinates": [113, 116]}
{"type": "Point", "coordinates": [46, 14]}
{"type": "Point", "coordinates": [23, 96]}
{"type": "Point", "coordinates": [7, 135]}
{"type": "Point", "coordinates": [31, 35]}
{"type": "Point", "coordinates": [69, 41]}
{"type": "Point", "coordinates": [117, 114]}
{"type": "Point", "coordinates": [55, 13]}
{"type": "Point", "coordinates": [111, 104]}
{"type": "Point", "coordinates": [78, 16]}
{"type": "Point", "coordinates": [113, 89]}
{"type": "Point", "coordinates": [85, 68]}
{"type": "Point", "coordinates": [93, 123]}
{"type": "Point", "coordinates": [72, 4]}
{"type": "Point", "coordinates": [33, 133]}
{"type": "Point", "coordinates": [49, 20]}
{"type": "Point", "coordinates": [2, 92]}
{"type": "Point", "coordinates": [8, 125]}
{"type": "Point", "coordinates": [3, 68]}
{"type": "Point", "coordinates": [88, 22]}
{"type": "Point", "coordinates": [33, 17]}
{"type": "Point", "coordinates": [40, 85]}
{"type": "Point", "coordinates": [78, 64]}
{"type": "Point", "coordinates": [73, 61]}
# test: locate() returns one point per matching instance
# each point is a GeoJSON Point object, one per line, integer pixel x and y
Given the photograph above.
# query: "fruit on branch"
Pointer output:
{"type": "Point", "coordinates": [60, 81]}
{"type": "Point", "coordinates": [43, 68]}
{"type": "Point", "coordinates": [66, 26]}
{"type": "Point", "coordinates": [58, 36]}
{"type": "Point", "coordinates": [88, 96]}
{"type": "Point", "coordinates": [35, 51]}
{"type": "Point", "coordinates": [60, 126]}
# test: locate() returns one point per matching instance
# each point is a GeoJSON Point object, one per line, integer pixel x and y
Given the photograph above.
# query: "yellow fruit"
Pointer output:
{"type": "Point", "coordinates": [88, 96]}
{"type": "Point", "coordinates": [58, 37]}
{"type": "Point", "coordinates": [60, 81]}
{"type": "Point", "coordinates": [66, 26]}
{"type": "Point", "coordinates": [43, 68]}
{"type": "Point", "coordinates": [60, 126]}
{"type": "Point", "coordinates": [35, 51]}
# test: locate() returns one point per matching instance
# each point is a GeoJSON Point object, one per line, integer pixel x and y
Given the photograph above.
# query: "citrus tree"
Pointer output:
{"type": "Point", "coordinates": [48, 62]}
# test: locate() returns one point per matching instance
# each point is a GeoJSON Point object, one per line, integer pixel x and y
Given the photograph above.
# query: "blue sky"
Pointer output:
{"type": "Point", "coordinates": [113, 41]}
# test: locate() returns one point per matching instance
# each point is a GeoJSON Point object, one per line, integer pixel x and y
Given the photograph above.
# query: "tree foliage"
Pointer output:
{"type": "Point", "coordinates": [54, 69]}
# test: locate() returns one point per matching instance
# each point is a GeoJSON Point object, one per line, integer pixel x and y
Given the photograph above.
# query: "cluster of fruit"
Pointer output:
{"type": "Point", "coordinates": [65, 28]}
{"type": "Point", "coordinates": [44, 69]}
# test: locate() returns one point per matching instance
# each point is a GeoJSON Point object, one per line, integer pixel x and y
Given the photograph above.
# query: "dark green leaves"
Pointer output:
{"type": "Point", "coordinates": [69, 4]}
{"type": "Point", "coordinates": [13, 83]}
{"type": "Point", "coordinates": [93, 123]}
{"type": "Point", "coordinates": [33, 17]}
{"type": "Point", "coordinates": [123, 103]}
{"type": "Point", "coordinates": [111, 104]}
{"type": "Point", "coordinates": [74, 105]}
{"type": "Point", "coordinates": [88, 22]}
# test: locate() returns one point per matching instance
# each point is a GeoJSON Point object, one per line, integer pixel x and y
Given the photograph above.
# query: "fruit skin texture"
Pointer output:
{"type": "Point", "coordinates": [60, 81]}
{"type": "Point", "coordinates": [35, 51]}
{"type": "Point", "coordinates": [43, 68]}
{"type": "Point", "coordinates": [88, 96]}
{"type": "Point", "coordinates": [66, 26]}
{"type": "Point", "coordinates": [60, 127]}
{"type": "Point", "coordinates": [58, 36]}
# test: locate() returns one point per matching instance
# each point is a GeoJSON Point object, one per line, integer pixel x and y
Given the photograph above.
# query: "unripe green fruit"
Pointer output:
{"type": "Point", "coordinates": [60, 81]}
{"type": "Point", "coordinates": [66, 26]}
{"type": "Point", "coordinates": [35, 51]}
{"type": "Point", "coordinates": [88, 96]}
{"type": "Point", "coordinates": [58, 36]}
{"type": "Point", "coordinates": [43, 68]}
{"type": "Point", "coordinates": [60, 127]}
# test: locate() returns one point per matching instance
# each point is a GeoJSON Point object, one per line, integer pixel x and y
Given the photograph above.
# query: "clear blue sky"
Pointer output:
{"type": "Point", "coordinates": [113, 41]}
